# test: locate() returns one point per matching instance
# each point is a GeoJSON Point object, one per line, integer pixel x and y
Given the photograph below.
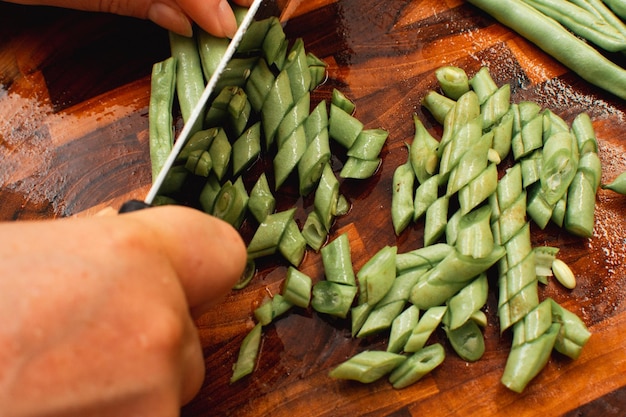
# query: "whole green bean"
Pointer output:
{"type": "Point", "coordinates": [160, 119]}
{"type": "Point", "coordinates": [558, 42]}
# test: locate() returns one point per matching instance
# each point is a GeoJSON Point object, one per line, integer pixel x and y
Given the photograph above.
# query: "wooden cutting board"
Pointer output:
{"type": "Point", "coordinates": [74, 90]}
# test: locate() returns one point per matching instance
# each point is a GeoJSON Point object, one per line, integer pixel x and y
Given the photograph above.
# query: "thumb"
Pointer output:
{"type": "Point", "coordinates": [207, 253]}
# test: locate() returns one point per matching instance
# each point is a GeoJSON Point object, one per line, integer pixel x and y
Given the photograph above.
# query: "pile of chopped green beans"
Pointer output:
{"type": "Point", "coordinates": [580, 34]}
{"type": "Point", "coordinates": [262, 111]}
{"type": "Point", "coordinates": [475, 223]}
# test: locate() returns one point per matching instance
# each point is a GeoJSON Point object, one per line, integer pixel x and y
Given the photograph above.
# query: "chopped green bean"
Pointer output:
{"type": "Point", "coordinates": [401, 328]}
{"type": "Point", "coordinates": [337, 261]}
{"type": "Point", "coordinates": [367, 366]}
{"type": "Point", "coordinates": [343, 127]}
{"type": "Point", "coordinates": [248, 354]}
{"type": "Point", "coordinates": [292, 244]}
{"type": "Point", "coordinates": [417, 365]}
{"type": "Point", "coordinates": [333, 298]}
{"type": "Point", "coordinates": [377, 275]}
{"type": "Point", "coordinates": [246, 149]}
{"type": "Point", "coordinates": [426, 325]}
{"type": "Point", "coordinates": [618, 185]}
{"type": "Point", "coordinates": [340, 100]}
{"type": "Point", "coordinates": [467, 341]}
{"type": "Point", "coordinates": [262, 202]}
{"type": "Point", "coordinates": [453, 81]}
{"type": "Point", "coordinates": [423, 152]}
{"type": "Point", "coordinates": [402, 206]}
{"type": "Point", "coordinates": [359, 168]}
{"type": "Point", "coordinates": [271, 309]}
{"type": "Point", "coordinates": [269, 233]}
{"type": "Point", "coordinates": [297, 288]}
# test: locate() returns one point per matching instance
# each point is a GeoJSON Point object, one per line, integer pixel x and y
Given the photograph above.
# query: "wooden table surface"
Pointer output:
{"type": "Point", "coordinates": [74, 91]}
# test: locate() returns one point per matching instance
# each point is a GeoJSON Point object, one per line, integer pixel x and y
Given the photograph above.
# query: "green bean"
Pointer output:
{"type": "Point", "coordinates": [558, 166]}
{"type": "Point", "coordinates": [583, 131]}
{"type": "Point", "coordinates": [618, 7]}
{"type": "Point", "coordinates": [527, 129]}
{"type": "Point", "coordinates": [275, 44]}
{"type": "Point", "coordinates": [573, 334]}
{"type": "Point", "coordinates": [449, 276]}
{"type": "Point", "coordinates": [340, 100]}
{"type": "Point", "coordinates": [426, 325]}
{"type": "Point", "coordinates": [467, 341]}
{"type": "Point", "coordinates": [426, 257]}
{"type": "Point", "coordinates": [402, 206]}
{"type": "Point", "coordinates": [376, 277]}
{"type": "Point", "coordinates": [326, 196]}
{"type": "Point", "coordinates": [189, 77]}
{"type": "Point", "coordinates": [199, 141]}
{"type": "Point", "coordinates": [417, 365]}
{"type": "Point", "coordinates": [276, 105]}
{"type": "Point", "coordinates": [438, 105]}
{"type": "Point", "coordinates": [598, 8]}
{"type": "Point", "coordinates": [343, 127]}
{"type": "Point", "coordinates": [380, 318]}
{"type": "Point", "coordinates": [298, 69]}
{"type": "Point", "coordinates": [267, 237]}
{"type": "Point", "coordinates": [401, 328]}
{"type": "Point", "coordinates": [531, 167]}
{"type": "Point", "coordinates": [558, 42]}
{"type": "Point", "coordinates": [314, 159]}
{"type": "Point", "coordinates": [343, 206]}
{"type": "Point", "coordinates": [246, 149]}
{"type": "Point", "coordinates": [248, 354]}
{"type": "Point", "coordinates": [582, 23]}
{"type": "Point", "coordinates": [314, 231]}
{"type": "Point", "coordinates": [452, 228]}
{"type": "Point", "coordinates": [297, 288]}
{"type": "Point", "coordinates": [483, 84]}
{"type": "Point", "coordinates": [544, 256]}
{"type": "Point", "coordinates": [479, 189]}
{"type": "Point", "coordinates": [425, 196]}
{"type": "Point", "coordinates": [209, 193]}
{"type": "Point", "coordinates": [470, 164]}
{"type": "Point", "coordinates": [160, 119]}
{"type": "Point", "coordinates": [271, 308]}
{"type": "Point", "coordinates": [464, 138]}
{"type": "Point", "coordinates": [358, 315]}
{"type": "Point", "coordinates": [367, 366]}
{"type": "Point", "coordinates": [221, 153]}
{"type": "Point", "coordinates": [337, 261]}
{"type": "Point", "coordinates": [368, 144]}
{"type": "Point", "coordinates": [474, 237]}
{"type": "Point", "coordinates": [436, 220]}
{"type": "Point", "coordinates": [423, 152]}
{"type": "Point", "coordinates": [466, 302]}
{"type": "Point", "coordinates": [259, 84]}
{"type": "Point", "coordinates": [503, 134]}
{"type": "Point", "coordinates": [581, 200]}
{"type": "Point", "coordinates": [292, 244]}
{"type": "Point", "coordinates": [246, 276]}
{"type": "Point", "coordinates": [288, 155]}
{"type": "Point", "coordinates": [174, 180]}
{"type": "Point", "coordinates": [496, 106]}
{"type": "Point", "coordinates": [317, 69]}
{"type": "Point", "coordinates": [231, 203]}
{"type": "Point", "coordinates": [293, 119]}
{"type": "Point", "coordinates": [466, 110]}
{"type": "Point", "coordinates": [618, 184]}
{"type": "Point", "coordinates": [533, 340]}
{"type": "Point", "coordinates": [236, 72]}
{"type": "Point", "coordinates": [211, 49]}
{"type": "Point", "coordinates": [199, 162]}
{"type": "Point", "coordinates": [359, 168]}
{"type": "Point", "coordinates": [262, 202]}
{"type": "Point", "coordinates": [252, 40]}
{"type": "Point", "coordinates": [333, 298]}
{"type": "Point", "coordinates": [537, 207]}
{"type": "Point", "coordinates": [453, 81]}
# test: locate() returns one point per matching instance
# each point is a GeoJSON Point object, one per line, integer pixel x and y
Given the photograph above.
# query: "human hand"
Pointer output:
{"type": "Point", "coordinates": [98, 313]}
{"type": "Point", "coordinates": [214, 16]}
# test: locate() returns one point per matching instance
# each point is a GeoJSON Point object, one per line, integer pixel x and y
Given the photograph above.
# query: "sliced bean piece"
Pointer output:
{"type": "Point", "coordinates": [417, 365]}
{"type": "Point", "coordinates": [377, 275]}
{"type": "Point", "coordinates": [332, 298]}
{"type": "Point", "coordinates": [453, 81]}
{"type": "Point", "coordinates": [337, 261]}
{"type": "Point", "coordinates": [297, 288]}
{"type": "Point", "coordinates": [467, 341]}
{"type": "Point", "coordinates": [426, 325]}
{"type": "Point", "coordinates": [292, 244]}
{"type": "Point", "coordinates": [248, 354]}
{"type": "Point", "coordinates": [269, 233]}
{"type": "Point", "coordinates": [262, 202]}
{"type": "Point", "coordinates": [367, 366]}
{"type": "Point", "coordinates": [402, 206]}
{"type": "Point", "coordinates": [160, 119]}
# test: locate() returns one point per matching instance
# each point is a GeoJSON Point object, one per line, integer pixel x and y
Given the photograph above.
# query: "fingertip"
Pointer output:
{"type": "Point", "coordinates": [170, 18]}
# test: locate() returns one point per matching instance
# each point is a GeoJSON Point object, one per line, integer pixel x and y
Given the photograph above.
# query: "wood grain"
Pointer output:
{"type": "Point", "coordinates": [74, 89]}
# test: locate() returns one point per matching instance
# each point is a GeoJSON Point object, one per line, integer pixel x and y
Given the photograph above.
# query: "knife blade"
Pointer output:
{"type": "Point", "coordinates": [200, 105]}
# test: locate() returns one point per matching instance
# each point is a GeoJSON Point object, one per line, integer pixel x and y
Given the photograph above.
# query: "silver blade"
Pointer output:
{"type": "Point", "coordinates": [198, 109]}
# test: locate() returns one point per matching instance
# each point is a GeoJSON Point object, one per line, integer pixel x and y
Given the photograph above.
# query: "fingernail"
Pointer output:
{"type": "Point", "coordinates": [227, 18]}
{"type": "Point", "coordinates": [170, 18]}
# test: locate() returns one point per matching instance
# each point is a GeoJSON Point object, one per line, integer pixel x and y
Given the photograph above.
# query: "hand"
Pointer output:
{"type": "Point", "coordinates": [98, 313]}
{"type": "Point", "coordinates": [214, 16]}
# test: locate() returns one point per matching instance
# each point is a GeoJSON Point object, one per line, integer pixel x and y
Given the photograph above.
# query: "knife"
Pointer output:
{"type": "Point", "coordinates": [197, 111]}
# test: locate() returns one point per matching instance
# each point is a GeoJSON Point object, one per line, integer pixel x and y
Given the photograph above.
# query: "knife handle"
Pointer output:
{"type": "Point", "coordinates": [133, 205]}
